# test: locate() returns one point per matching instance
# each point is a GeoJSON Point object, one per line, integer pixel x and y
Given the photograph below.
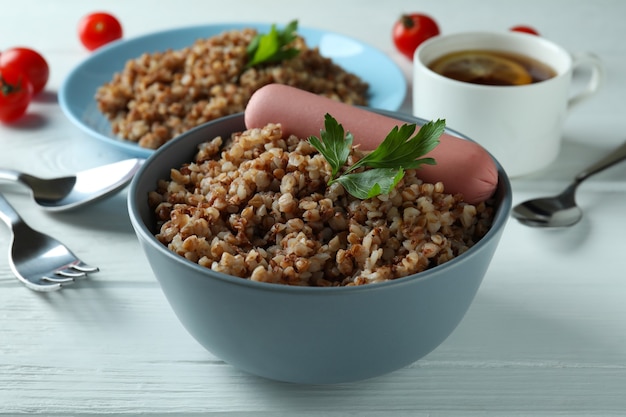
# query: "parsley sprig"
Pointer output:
{"type": "Point", "coordinates": [387, 163]}
{"type": "Point", "coordinates": [273, 46]}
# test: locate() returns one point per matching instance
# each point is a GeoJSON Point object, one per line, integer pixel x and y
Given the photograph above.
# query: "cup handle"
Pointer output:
{"type": "Point", "coordinates": [596, 78]}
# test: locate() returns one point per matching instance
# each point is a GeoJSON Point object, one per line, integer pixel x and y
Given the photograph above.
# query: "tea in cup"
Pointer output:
{"type": "Point", "coordinates": [508, 91]}
{"type": "Point", "coordinates": [492, 67]}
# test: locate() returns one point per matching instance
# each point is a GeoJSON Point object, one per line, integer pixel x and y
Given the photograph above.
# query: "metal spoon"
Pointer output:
{"type": "Point", "coordinates": [561, 210]}
{"type": "Point", "coordinates": [65, 193]}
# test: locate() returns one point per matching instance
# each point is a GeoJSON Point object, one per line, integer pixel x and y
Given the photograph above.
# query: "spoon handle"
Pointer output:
{"type": "Point", "coordinates": [9, 175]}
{"type": "Point", "coordinates": [614, 157]}
{"type": "Point", "coordinates": [8, 213]}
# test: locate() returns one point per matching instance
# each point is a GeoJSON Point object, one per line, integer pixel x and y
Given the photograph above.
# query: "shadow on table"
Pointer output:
{"type": "Point", "coordinates": [497, 343]}
{"type": "Point", "coordinates": [110, 214]}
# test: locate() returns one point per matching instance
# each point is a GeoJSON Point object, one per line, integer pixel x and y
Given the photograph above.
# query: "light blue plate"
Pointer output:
{"type": "Point", "coordinates": [387, 83]}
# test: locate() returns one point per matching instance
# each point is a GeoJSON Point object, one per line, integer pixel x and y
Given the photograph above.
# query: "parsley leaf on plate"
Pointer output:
{"type": "Point", "coordinates": [273, 46]}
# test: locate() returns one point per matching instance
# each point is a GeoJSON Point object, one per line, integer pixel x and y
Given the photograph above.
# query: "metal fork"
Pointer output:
{"type": "Point", "coordinates": [41, 262]}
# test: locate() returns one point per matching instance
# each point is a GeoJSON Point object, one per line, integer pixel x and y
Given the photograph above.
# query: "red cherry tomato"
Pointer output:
{"type": "Point", "coordinates": [16, 91]}
{"type": "Point", "coordinates": [525, 29]}
{"type": "Point", "coordinates": [28, 62]}
{"type": "Point", "coordinates": [411, 30]}
{"type": "Point", "coordinates": [97, 29]}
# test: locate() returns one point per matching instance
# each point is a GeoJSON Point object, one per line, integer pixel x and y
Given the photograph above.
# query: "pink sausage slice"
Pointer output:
{"type": "Point", "coordinates": [462, 166]}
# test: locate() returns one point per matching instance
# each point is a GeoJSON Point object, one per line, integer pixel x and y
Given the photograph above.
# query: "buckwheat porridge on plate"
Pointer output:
{"type": "Point", "coordinates": [161, 95]}
{"type": "Point", "coordinates": [258, 207]}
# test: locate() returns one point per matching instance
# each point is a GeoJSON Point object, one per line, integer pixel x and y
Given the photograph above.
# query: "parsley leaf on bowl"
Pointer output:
{"type": "Point", "coordinates": [399, 151]}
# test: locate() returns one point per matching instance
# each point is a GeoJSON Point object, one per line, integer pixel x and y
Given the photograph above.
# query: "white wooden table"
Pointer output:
{"type": "Point", "coordinates": [546, 334]}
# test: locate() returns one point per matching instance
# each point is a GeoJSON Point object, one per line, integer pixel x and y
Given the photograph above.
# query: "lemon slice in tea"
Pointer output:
{"type": "Point", "coordinates": [481, 67]}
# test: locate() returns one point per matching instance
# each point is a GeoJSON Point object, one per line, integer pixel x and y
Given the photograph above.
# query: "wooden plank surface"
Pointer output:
{"type": "Point", "coordinates": [546, 335]}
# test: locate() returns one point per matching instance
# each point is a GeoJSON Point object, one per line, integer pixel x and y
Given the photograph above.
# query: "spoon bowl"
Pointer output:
{"type": "Point", "coordinates": [70, 192]}
{"type": "Point", "coordinates": [561, 210]}
{"type": "Point", "coordinates": [557, 211]}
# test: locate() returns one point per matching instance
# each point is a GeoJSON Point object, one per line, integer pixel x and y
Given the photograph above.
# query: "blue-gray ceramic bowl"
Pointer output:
{"type": "Point", "coordinates": [306, 334]}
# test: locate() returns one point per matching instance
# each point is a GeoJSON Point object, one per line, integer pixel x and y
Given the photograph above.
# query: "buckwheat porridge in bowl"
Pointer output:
{"type": "Point", "coordinates": [258, 206]}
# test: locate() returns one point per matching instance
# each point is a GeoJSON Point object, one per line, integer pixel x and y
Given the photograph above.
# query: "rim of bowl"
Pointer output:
{"type": "Point", "coordinates": [503, 194]}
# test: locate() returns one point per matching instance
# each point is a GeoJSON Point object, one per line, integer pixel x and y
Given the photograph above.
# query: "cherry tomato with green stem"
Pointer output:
{"type": "Point", "coordinates": [30, 63]}
{"type": "Point", "coordinates": [98, 29]}
{"type": "Point", "coordinates": [16, 92]}
{"type": "Point", "coordinates": [411, 30]}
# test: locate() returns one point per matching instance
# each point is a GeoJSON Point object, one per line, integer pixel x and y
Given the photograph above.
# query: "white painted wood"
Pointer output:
{"type": "Point", "coordinates": [546, 334]}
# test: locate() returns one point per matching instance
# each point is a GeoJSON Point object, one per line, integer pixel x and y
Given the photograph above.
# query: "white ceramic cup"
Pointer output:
{"type": "Point", "coordinates": [521, 125]}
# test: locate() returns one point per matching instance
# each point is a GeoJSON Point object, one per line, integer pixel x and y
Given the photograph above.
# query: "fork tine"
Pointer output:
{"type": "Point", "coordinates": [48, 287]}
{"type": "Point", "coordinates": [83, 267]}
{"type": "Point", "coordinates": [58, 279]}
{"type": "Point", "coordinates": [69, 273]}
